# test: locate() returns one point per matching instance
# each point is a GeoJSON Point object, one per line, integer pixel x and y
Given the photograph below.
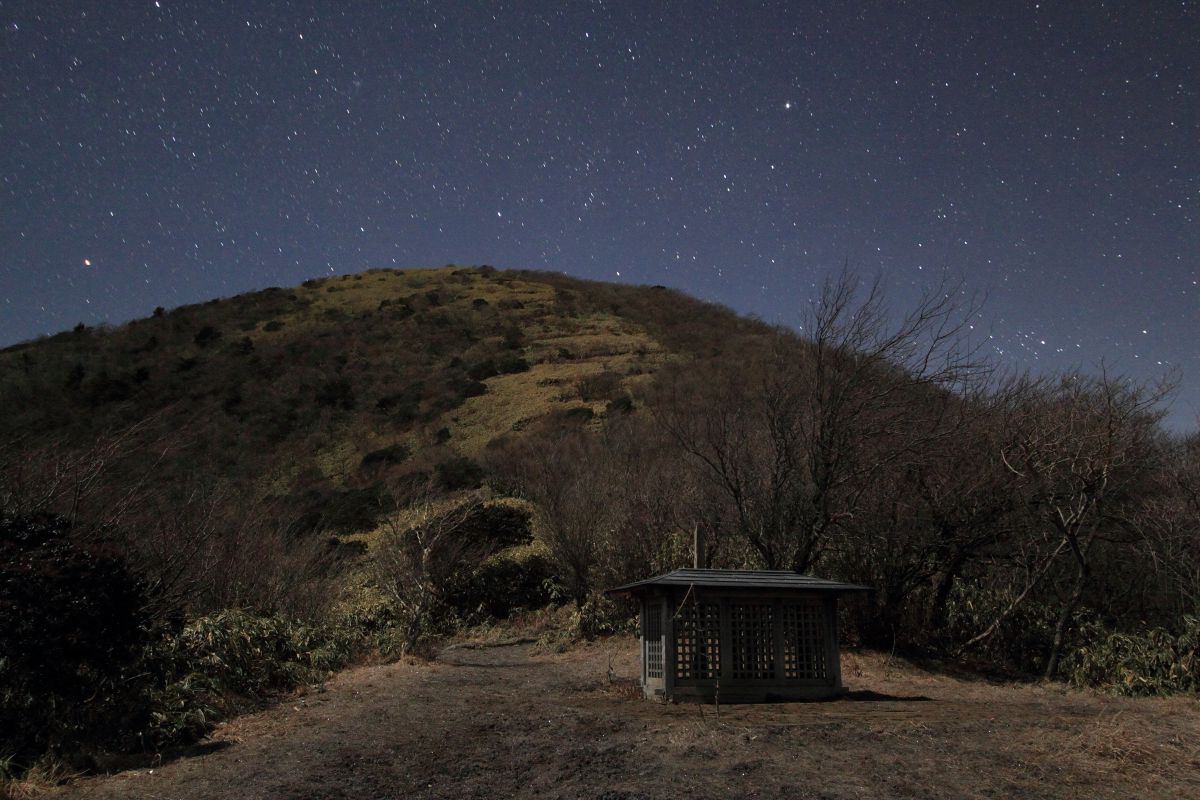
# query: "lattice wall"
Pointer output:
{"type": "Point", "coordinates": [652, 639]}
{"type": "Point", "coordinates": [804, 643]}
{"type": "Point", "coordinates": [752, 628]}
{"type": "Point", "coordinates": [698, 642]}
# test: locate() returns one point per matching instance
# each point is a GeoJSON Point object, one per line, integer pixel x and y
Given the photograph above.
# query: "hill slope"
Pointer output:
{"type": "Point", "coordinates": [336, 382]}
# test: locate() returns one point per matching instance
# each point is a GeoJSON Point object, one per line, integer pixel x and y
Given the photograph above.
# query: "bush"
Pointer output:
{"type": "Point", "coordinates": [105, 389]}
{"type": "Point", "coordinates": [206, 336]}
{"type": "Point", "coordinates": [601, 616]}
{"type": "Point", "coordinates": [336, 393]}
{"type": "Point", "coordinates": [459, 473]}
{"type": "Point", "coordinates": [497, 526]}
{"type": "Point", "coordinates": [465, 389]}
{"type": "Point", "coordinates": [620, 405]}
{"type": "Point", "coordinates": [1023, 639]}
{"type": "Point", "coordinates": [342, 512]}
{"type": "Point", "coordinates": [510, 363]}
{"type": "Point", "coordinates": [483, 370]}
{"type": "Point", "coordinates": [579, 414]}
{"type": "Point", "coordinates": [504, 364]}
{"type": "Point", "coordinates": [73, 624]}
{"type": "Point", "coordinates": [221, 662]}
{"type": "Point", "coordinates": [392, 454]}
{"type": "Point", "coordinates": [501, 585]}
{"type": "Point", "coordinates": [1151, 663]}
{"type": "Point", "coordinates": [601, 386]}
{"type": "Point", "coordinates": [404, 406]}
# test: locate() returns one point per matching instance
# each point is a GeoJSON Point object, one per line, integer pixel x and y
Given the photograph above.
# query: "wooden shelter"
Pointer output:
{"type": "Point", "coordinates": [739, 636]}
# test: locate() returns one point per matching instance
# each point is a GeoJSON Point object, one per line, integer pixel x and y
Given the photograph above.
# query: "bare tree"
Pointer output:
{"type": "Point", "coordinates": [797, 439]}
{"type": "Point", "coordinates": [1084, 447]}
{"type": "Point", "coordinates": [423, 544]}
{"type": "Point", "coordinates": [93, 485]}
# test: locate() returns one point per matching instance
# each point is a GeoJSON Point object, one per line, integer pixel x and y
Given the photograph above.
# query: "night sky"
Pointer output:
{"type": "Point", "coordinates": [160, 153]}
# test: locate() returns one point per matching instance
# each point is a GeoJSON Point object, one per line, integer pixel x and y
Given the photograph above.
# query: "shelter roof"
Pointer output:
{"type": "Point", "coordinates": [766, 580]}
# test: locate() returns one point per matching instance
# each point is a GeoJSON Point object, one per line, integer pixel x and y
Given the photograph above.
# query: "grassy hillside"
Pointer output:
{"type": "Point", "coordinates": [338, 383]}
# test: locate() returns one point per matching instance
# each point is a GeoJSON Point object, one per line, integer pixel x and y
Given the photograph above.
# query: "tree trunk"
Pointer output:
{"type": "Point", "coordinates": [941, 594]}
{"type": "Point", "coordinates": [1064, 619]}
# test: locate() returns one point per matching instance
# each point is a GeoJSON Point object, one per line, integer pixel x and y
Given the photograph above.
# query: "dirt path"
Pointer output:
{"type": "Point", "coordinates": [513, 722]}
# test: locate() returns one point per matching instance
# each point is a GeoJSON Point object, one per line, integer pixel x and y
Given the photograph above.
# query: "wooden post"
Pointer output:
{"type": "Point", "coordinates": [835, 655]}
{"type": "Point", "coordinates": [726, 640]}
{"type": "Point", "coordinates": [778, 634]}
{"type": "Point", "coordinates": [698, 547]}
{"type": "Point", "coordinates": [669, 654]}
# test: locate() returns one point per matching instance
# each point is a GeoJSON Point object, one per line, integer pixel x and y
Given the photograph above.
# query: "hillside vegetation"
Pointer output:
{"type": "Point", "coordinates": [322, 383]}
{"type": "Point", "coordinates": [254, 491]}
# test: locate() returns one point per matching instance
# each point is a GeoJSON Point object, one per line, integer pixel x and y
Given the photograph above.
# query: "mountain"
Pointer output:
{"type": "Point", "coordinates": [322, 390]}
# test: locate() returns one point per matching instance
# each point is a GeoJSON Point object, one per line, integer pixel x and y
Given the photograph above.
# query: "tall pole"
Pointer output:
{"type": "Point", "coordinates": [698, 546]}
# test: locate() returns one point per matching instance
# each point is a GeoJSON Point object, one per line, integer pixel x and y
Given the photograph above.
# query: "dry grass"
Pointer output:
{"type": "Point", "coordinates": [38, 781]}
{"type": "Point", "coordinates": [514, 401]}
{"type": "Point", "coordinates": [492, 721]}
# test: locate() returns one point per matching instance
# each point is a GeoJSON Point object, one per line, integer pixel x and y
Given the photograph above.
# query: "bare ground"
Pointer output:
{"type": "Point", "coordinates": [515, 721]}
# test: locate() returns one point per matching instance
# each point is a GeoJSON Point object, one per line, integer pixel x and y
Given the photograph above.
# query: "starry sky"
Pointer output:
{"type": "Point", "coordinates": [1045, 154]}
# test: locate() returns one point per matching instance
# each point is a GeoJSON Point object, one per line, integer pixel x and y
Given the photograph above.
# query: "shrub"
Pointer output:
{"type": "Point", "coordinates": [497, 526]}
{"type": "Point", "coordinates": [579, 414]}
{"type": "Point", "coordinates": [272, 326]}
{"type": "Point", "coordinates": [465, 389]}
{"type": "Point", "coordinates": [336, 393]}
{"type": "Point", "coordinates": [392, 454]}
{"type": "Point", "coordinates": [405, 405]}
{"type": "Point", "coordinates": [344, 512]}
{"type": "Point", "coordinates": [73, 624]}
{"type": "Point", "coordinates": [501, 585]}
{"type": "Point", "coordinates": [1150, 663]}
{"type": "Point", "coordinates": [513, 337]}
{"type": "Point", "coordinates": [620, 405]}
{"type": "Point", "coordinates": [483, 370]}
{"type": "Point", "coordinates": [601, 616]}
{"type": "Point", "coordinates": [510, 363]}
{"type": "Point", "coordinates": [206, 336]}
{"type": "Point", "coordinates": [219, 662]}
{"type": "Point", "coordinates": [1022, 640]}
{"type": "Point", "coordinates": [106, 389]}
{"type": "Point", "coordinates": [601, 386]}
{"type": "Point", "coordinates": [459, 473]}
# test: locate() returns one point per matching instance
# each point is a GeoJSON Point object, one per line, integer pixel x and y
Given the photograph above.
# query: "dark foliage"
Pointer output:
{"type": "Point", "coordinates": [497, 526]}
{"type": "Point", "coordinates": [339, 511]}
{"type": "Point", "coordinates": [336, 393]}
{"type": "Point", "coordinates": [579, 414]}
{"type": "Point", "coordinates": [73, 624]}
{"type": "Point", "coordinates": [206, 336]}
{"type": "Point", "coordinates": [459, 473]}
{"type": "Point", "coordinates": [392, 454]}
{"type": "Point", "coordinates": [501, 585]}
{"type": "Point", "coordinates": [620, 405]}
